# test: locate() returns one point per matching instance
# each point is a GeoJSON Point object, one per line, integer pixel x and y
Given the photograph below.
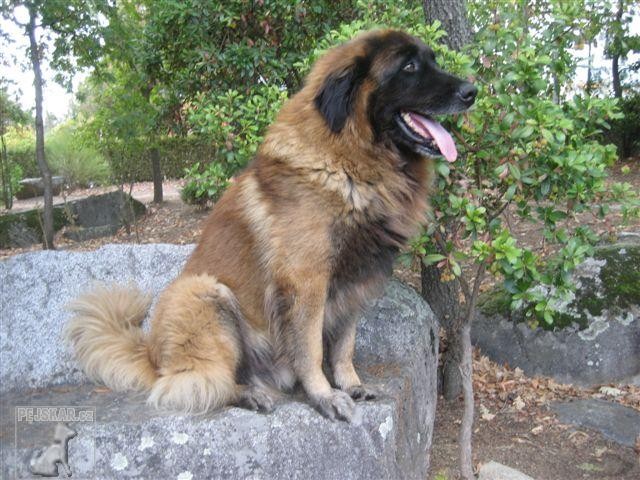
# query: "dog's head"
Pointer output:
{"type": "Point", "coordinates": [392, 81]}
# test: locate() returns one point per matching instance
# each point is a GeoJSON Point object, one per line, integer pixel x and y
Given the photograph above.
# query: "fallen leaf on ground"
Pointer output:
{"type": "Point", "coordinates": [611, 391]}
{"type": "Point", "coordinates": [485, 414]}
{"type": "Point", "coordinates": [518, 403]}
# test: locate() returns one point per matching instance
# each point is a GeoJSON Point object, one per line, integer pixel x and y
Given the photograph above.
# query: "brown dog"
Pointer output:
{"type": "Point", "coordinates": [295, 248]}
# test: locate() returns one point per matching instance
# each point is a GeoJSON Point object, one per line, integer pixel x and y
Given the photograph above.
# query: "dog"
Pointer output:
{"type": "Point", "coordinates": [295, 248]}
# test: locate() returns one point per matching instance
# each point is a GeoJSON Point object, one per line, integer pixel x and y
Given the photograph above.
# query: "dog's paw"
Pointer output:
{"type": "Point", "coordinates": [337, 405]}
{"type": "Point", "coordinates": [363, 392]}
{"type": "Point", "coordinates": [257, 398]}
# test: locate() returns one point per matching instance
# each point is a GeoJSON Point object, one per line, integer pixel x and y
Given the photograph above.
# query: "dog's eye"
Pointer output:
{"type": "Point", "coordinates": [410, 67]}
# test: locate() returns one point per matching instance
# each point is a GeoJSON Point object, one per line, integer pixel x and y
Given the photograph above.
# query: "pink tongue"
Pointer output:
{"type": "Point", "coordinates": [440, 135]}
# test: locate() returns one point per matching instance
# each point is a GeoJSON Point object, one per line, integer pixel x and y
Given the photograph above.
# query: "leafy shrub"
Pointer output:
{"type": "Point", "coordinates": [80, 164]}
{"type": "Point", "coordinates": [15, 175]}
{"type": "Point", "coordinates": [204, 185]}
{"type": "Point", "coordinates": [130, 160]}
{"type": "Point", "coordinates": [66, 152]}
{"type": "Point", "coordinates": [21, 150]}
{"type": "Point", "coordinates": [235, 124]}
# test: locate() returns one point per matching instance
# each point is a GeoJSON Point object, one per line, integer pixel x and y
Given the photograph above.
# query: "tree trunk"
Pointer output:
{"type": "Point", "coordinates": [444, 299]}
{"type": "Point", "coordinates": [556, 89]}
{"type": "Point", "coordinates": [466, 428]}
{"type": "Point", "coordinates": [45, 171]}
{"type": "Point", "coordinates": [615, 76]}
{"type": "Point", "coordinates": [157, 175]}
{"type": "Point", "coordinates": [457, 364]}
{"type": "Point", "coordinates": [589, 87]}
{"type": "Point", "coordinates": [452, 14]}
{"type": "Point", "coordinates": [615, 68]}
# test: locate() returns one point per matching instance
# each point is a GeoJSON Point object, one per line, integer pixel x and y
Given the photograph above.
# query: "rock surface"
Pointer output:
{"type": "Point", "coordinates": [91, 217]}
{"type": "Point", "coordinates": [607, 300]}
{"type": "Point", "coordinates": [102, 215]}
{"type": "Point", "coordinates": [391, 437]}
{"type": "Point", "coordinates": [616, 422]}
{"type": "Point", "coordinates": [497, 471]}
{"type": "Point", "coordinates": [34, 187]}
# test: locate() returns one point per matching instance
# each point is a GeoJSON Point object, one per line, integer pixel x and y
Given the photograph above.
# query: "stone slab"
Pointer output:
{"type": "Point", "coordinates": [496, 471]}
{"type": "Point", "coordinates": [606, 351]}
{"type": "Point", "coordinates": [616, 422]}
{"type": "Point", "coordinates": [396, 349]}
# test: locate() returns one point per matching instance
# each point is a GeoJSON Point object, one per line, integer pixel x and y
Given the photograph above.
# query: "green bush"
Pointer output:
{"type": "Point", "coordinates": [205, 184]}
{"type": "Point", "coordinates": [80, 164]}
{"type": "Point", "coordinates": [235, 124]}
{"type": "Point", "coordinates": [131, 161]}
{"type": "Point", "coordinates": [15, 175]}
{"type": "Point", "coordinates": [66, 152]}
{"type": "Point", "coordinates": [21, 150]}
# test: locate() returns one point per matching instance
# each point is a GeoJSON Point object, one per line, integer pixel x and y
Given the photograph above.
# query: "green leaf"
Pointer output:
{"type": "Point", "coordinates": [455, 268]}
{"type": "Point", "coordinates": [443, 169]}
{"type": "Point", "coordinates": [432, 258]}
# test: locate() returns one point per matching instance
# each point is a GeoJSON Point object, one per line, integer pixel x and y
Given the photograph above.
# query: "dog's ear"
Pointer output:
{"type": "Point", "coordinates": [336, 98]}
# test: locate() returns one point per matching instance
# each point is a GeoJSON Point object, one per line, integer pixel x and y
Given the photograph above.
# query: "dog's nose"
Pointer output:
{"type": "Point", "coordinates": [467, 93]}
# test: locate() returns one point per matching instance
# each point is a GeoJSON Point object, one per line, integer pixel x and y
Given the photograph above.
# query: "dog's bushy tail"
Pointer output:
{"type": "Point", "coordinates": [105, 333]}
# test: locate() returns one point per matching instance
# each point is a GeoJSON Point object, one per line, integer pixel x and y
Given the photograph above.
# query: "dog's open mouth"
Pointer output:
{"type": "Point", "coordinates": [430, 136]}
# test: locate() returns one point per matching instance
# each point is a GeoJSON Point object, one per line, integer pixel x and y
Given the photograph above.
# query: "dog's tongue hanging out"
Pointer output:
{"type": "Point", "coordinates": [442, 138]}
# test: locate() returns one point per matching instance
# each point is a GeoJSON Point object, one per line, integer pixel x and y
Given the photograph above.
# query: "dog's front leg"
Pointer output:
{"type": "Point", "coordinates": [307, 322]}
{"type": "Point", "coordinates": [341, 361]}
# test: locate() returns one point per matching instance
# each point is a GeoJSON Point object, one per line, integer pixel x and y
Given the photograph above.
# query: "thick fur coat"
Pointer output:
{"type": "Point", "coordinates": [294, 249]}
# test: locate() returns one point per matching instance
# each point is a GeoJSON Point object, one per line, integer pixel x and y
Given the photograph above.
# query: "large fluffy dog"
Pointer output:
{"type": "Point", "coordinates": [295, 247]}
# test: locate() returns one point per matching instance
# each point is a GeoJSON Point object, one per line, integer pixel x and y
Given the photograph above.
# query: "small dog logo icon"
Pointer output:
{"type": "Point", "coordinates": [45, 461]}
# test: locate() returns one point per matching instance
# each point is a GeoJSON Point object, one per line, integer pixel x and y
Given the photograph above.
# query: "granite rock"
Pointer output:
{"type": "Point", "coordinates": [118, 436]}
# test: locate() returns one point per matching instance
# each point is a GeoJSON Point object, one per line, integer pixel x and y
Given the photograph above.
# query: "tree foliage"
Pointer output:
{"type": "Point", "coordinates": [12, 116]}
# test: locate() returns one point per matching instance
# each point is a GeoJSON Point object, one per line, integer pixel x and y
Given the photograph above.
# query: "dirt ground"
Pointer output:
{"type": "Point", "coordinates": [514, 425]}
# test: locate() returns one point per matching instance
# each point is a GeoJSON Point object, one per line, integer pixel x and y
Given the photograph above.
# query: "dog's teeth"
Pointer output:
{"type": "Point", "coordinates": [407, 118]}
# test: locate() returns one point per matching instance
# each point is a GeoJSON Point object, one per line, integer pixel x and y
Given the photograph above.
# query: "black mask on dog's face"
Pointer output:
{"type": "Point", "coordinates": [411, 89]}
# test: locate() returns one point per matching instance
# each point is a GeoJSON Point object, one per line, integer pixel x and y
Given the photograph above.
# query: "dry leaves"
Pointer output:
{"type": "Point", "coordinates": [498, 388]}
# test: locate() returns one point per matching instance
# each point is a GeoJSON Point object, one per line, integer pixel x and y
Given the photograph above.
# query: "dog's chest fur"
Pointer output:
{"type": "Point", "coordinates": [363, 248]}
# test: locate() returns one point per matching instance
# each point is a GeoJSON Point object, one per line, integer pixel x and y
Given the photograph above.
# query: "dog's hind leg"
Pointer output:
{"type": "Point", "coordinates": [196, 346]}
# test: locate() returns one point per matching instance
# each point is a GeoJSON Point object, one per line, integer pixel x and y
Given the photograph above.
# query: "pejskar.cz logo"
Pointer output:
{"type": "Point", "coordinates": [44, 433]}
{"type": "Point", "coordinates": [55, 414]}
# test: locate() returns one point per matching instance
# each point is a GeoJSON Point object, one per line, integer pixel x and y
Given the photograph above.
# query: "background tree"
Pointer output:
{"type": "Point", "coordinates": [452, 15]}
{"type": "Point", "coordinates": [444, 297]}
{"type": "Point", "coordinates": [70, 29]}
{"type": "Point", "coordinates": [185, 58]}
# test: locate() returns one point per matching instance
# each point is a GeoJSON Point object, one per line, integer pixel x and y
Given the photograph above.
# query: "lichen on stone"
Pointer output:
{"type": "Point", "coordinates": [607, 288]}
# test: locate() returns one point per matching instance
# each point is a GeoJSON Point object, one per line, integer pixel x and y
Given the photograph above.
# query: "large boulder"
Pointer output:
{"type": "Point", "coordinates": [118, 436]}
{"type": "Point", "coordinates": [34, 187]}
{"type": "Point", "coordinates": [600, 339]}
{"type": "Point", "coordinates": [22, 229]}
{"type": "Point", "coordinates": [101, 215]}
{"type": "Point", "coordinates": [85, 218]}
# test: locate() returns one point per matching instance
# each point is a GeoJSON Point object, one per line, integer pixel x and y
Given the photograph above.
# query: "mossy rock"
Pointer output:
{"type": "Point", "coordinates": [607, 287]}
{"type": "Point", "coordinates": [91, 217]}
{"type": "Point", "coordinates": [25, 228]}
